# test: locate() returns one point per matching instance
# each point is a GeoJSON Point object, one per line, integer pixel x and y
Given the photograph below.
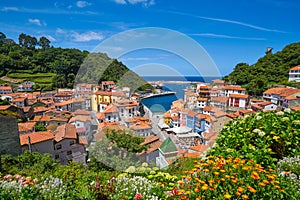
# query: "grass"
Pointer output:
{"type": "Point", "coordinates": [28, 75]}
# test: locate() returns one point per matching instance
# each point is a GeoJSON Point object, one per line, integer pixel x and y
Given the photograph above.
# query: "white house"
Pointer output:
{"type": "Point", "coordinates": [238, 100]}
{"type": "Point", "coordinates": [294, 74]}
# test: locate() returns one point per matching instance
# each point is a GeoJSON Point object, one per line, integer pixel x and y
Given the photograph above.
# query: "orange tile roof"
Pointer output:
{"type": "Point", "coordinates": [246, 111]}
{"type": "Point", "coordinates": [220, 99]}
{"type": "Point", "coordinates": [64, 103]}
{"type": "Point", "coordinates": [257, 106]}
{"type": "Point", "coordinates": [175, 117]}
{"type": "Point", "coordinates": [4, 107]}
{"type": "Point", "coordinates": [201, 99]}
{"type": "Point", "coordinates": [41, 109]}
{"type": "Point", "coordinates": [5, 88]}
{"type": "Point", "coordinates": [234, 87]}
{"type": "Point", "coordinates": [167, 114]}
{"type": "Point", "coordinates": [19, 99]}
{"type": "Point", "coordinates": [41, 118]}
{"type": "Point", "coordinates": [198, 148]}
{"type": "Point", "coordinates": [82, 140]}
{"type": "Point", "coordinates": [26, 126]}
{"type": "Point", "coordinates": [296, 68]}
{"type": "Point", "coordinates": [201, 116]}
{"type": "Point", "coordinates": [154, 146]}
{"type": "Point", "coordinates": [107, 83]}
{"type": "Point", "coordinates": [265, 103]}
{"type": "Point", "coordinates": [104, 125]}
{"type": "Point", "coordinates": [82, 112]}
{"type": "Point", "coordinates": [81, 118]}
{"type": "Point", "coordinates": [191, 113]}
{"type": "Point", "coordinates": [290, 98]}
{"type": "Point", "coordinates": [66, 131]}
{"type": "Point", "coordinates": [140, 126]}
{"type": "Point", "coordinates": [26, 109]}
{"type": "Point", "coordinates": [207, 108]}
{"type": "Point", "coordinates": [240, 96]}
{"type": "Point", "coordinates": [150, 139]}
{"type": "Point", "coordinates": [36, 137]}
{"type": "Point", "coordinates": [100, 116]}
{"type": "Point", "coordinates": [111, 109]}
{"type": "Point", "coordinates": [232, 116]}
{"type": "Point", "coordinates": [190, 155]}
{"type": "Point", "coordinates": [296, 108]}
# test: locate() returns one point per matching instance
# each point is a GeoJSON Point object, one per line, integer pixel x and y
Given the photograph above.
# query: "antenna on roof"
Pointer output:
{"type": "Point", "coordinates": [269, 50]}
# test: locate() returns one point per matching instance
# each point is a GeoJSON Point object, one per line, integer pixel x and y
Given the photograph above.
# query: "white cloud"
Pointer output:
{"type": "Point", "coordinates": [60, 31]}
{"type": "Point", "coordinates": [120, 1]}
{"type": "Point", "coordinates": [82, 4]}
{"type": "Point", "coordinates": [225, 21]}
{"type": "Point", "coordinates": [9, 9]}
{"type": "Point", "coordinates": [87, 36]}
{"type": "Point", "coordinates": [145, 3]}
{"type": "Point", "coordinates": [213, 35]}
{"type": "Point", "coordinates": [35, 21]}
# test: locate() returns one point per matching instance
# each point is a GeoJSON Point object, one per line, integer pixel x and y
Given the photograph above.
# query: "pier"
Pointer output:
{"type": "Point", "coordinates": [158, 94]}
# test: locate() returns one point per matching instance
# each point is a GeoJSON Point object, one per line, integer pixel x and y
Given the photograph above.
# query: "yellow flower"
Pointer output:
{"type": "Point", "coordinates": [227, 196]}
{"type": "Point", "coordinates": [204, 187]}
{"type": "Point", "coordinates": [217, 173]}
{"type": "Point", "coordinates": [206, 170]}
{"type": "Point", "coordinates": [266, 182]}
{"type": "Point", "coordinates": [245, 196]}
{"type": "Point", "coordinates": [211, 182]}
{"type": "Point", "coordinates": [251, 189]}
{"type": "Point", "coordinates": [227, 176]}
{"type": "Point", "coordinates": [277, 186]}
{"type": "Point", "coordinates": [234, 181]}
{"type": "Point", "coordinates": [197, 190]}
{"type": "Point", "coordinates": [188, 192]}
{"type": "Point", "coordinates": [276, 138]}
{"type": "Point", "coordinates": [222, 179]}
{"type": "Point", "coordinates": [180, 182]}
{"type": "Point", "coordinates": [222, 171]}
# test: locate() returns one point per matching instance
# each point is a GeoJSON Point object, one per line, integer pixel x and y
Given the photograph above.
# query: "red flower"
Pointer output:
{"type": "Point", "coordinates": [174, 191]}
{"type": "Point", "coordinates": [138, 196]}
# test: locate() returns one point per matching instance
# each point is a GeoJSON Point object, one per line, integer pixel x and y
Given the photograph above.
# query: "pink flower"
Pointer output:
{"type": "Point", "coordinates": [138, 196]}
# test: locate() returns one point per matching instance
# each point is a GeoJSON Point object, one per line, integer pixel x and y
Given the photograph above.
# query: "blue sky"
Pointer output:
{"type": "Point", "coordinates": [230, 31]}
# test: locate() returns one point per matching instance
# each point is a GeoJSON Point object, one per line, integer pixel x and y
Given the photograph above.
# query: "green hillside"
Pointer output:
{"type": "Point", "coordinates": [35, 60]}
{"type": "Point", "coordinates": [267, 71]}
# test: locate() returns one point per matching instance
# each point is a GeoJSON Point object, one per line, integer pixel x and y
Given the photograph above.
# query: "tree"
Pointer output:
{"type": "Point", "coordinates": [44, 42]}
{"type": "Point", "coordinates": [39, 127]}
{"type": "Point", "coordinates": [2, 37]}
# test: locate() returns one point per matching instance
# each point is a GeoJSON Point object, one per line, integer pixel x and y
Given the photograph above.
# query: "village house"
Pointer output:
{"type": "Point", "coordinates": [294, 74]}
{"type": "Point", "coordinates": [232, 89]}
{"type": "Point", "coordinates": [152, 152]}
{"type": "Point", "coordinates": [64, 105]}
{"type": "Point", "coordinates": [143, 129]}
{"type": "Point", "coordinates": [167, 153]}
{"type": "Point", "coordinates": [107, 85]}
{"type": "Point", "coordinates": [127, 108]}
{"type": "Point", "coordinates": [20, 102]}
{"type": "Point", "coordinates": [41, 142]}
{"type": "Point", "coordinates": [25, 87]}
{"type": "Point", "coordinates": [201, 102]}
{"type": "Point", "coordinates": [68, 146]}
{"type": "Point", "coordinates": [278, 95]}
{"type": "Point", "coordinates": [264, 106]}
{"type": "Point", "coordinates": [238, 101]}
{"type": "Point", "coordinates": [5, 89]}
{"type": "Point", "coordinates": [219, 102]}
{"type": "Point", "coordinates": [204, 90]}
{"type": "Point", "coordinates": [111, 113]}
{"type": "Point", "coordinates": [26, 127]}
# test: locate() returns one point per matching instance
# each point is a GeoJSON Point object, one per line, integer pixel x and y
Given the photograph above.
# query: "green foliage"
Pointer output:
{"type": "Point", "coordinates": [58, 67]}
{"type": "Point", "coordinates": [126, 141]}
{"type": "Point", "coordinates": [39, 127]}
{"type": "Point", "coordinates": [264, 137]}
{"type": "Point", "coordinates": [272, 68]}
{"type": "Point", "coordinates": [4, 102]}
{"type": "Point", "coordinates": [10, 114]}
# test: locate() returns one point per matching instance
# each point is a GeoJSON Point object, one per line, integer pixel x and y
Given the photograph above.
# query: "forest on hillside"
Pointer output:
{"type": "Point", "coordinates": [269, 70]}
{"type": "Point", "coordinates": [54, 67]}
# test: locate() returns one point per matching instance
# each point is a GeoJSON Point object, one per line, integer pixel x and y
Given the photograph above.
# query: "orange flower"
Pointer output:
{"type": "Point", "coordinates": [183, 197]}
{"type": "Point", "coordinates": [287, 173]}
{"type": "Point", "coordinates": [234, 181]}
{"type": "Point", "coordinates": [245, 196]}
{"type": "Point", "coordinates": [238, 194]}
{"type": "Point", "coordinates": [206, 170]}
{"type": "Point", "coordinates": [251, 189]}
{"type": "Point", "coordinates": [262, 184]}
{"type": "Point", "coordinates": [188, 192]}
{"type": "Point", "coordinates": [277, 186]}
{"type": "Point", "coordinates": [180, 182]}
{"type": "Point", "coordinates": [236, 160]}
{"type": "Point", "coordinates": [222, 179]}
{"type": "Point", "coordinates": [197, 190]}
{"type": "Point", "coordinates": [189, 178]}
{"type": "Point", "coordinates": [204, 187]}
{"type": "Point", "coordinates": [266, 182]}
{"type": "Point", "coordinates": [198, 198]}
{"type": "Point", "coordinates": [240, 189]}
{"type": "Point", "coordinates": [255, 175]}
{"type": "Point", "coordinates": [211, 189]}
{"type": "Point", "coordinates": [211, 182]}
{"type": "Point", "coordinates": [183, 177]}
{"type": "Point", "coordinates": [227, 196]}
{"type": "Point", "coordinates": [227, 176]}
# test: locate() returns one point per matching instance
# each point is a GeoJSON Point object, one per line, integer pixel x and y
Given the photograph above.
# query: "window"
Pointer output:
{"type": "Point", "coordinates": [58, 146]}
{"type": "Point", "coordinates": [69, 152]}
{"type": "Point", "coordinates": [56, 156]}
{"type": "Point", "coordinates": [72, 142]}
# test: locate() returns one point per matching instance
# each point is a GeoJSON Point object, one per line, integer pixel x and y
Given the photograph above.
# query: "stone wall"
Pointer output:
{"type": "Point", "coordinates": [9, 136]}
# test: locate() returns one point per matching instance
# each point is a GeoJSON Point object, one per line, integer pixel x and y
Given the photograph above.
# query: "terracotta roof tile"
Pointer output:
{"type": "Point", "coordinates": [26, 126]}
{"type": "Point", "coordinates": [5, 107]}
{"type": "Point", "coordinates": [234, 87]}
{"type": "Point", "coordinates": [296, 108]}
{"type": "Point", "coordinates": [81, 118]}
{"type": "Point", "coordinates": [66, 131]}
{"type": "Point", "coordinates": [296, 68]}
{"type": "Point", "coordinates": [36, 137]}
{"type": "Point", "coordinates": [240, 96]}
{"type": "Point", "coordinates": [111, 109]}
{"type": "Point", "coordinates": [83, 140]}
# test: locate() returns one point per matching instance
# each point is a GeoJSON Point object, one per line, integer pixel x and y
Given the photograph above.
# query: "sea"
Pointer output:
{"type": "Point", "coordinates": [161, 104]}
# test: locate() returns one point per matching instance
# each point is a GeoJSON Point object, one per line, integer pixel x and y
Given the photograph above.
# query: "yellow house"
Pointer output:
{"type": "Point", "coordinates": [104, 97]}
